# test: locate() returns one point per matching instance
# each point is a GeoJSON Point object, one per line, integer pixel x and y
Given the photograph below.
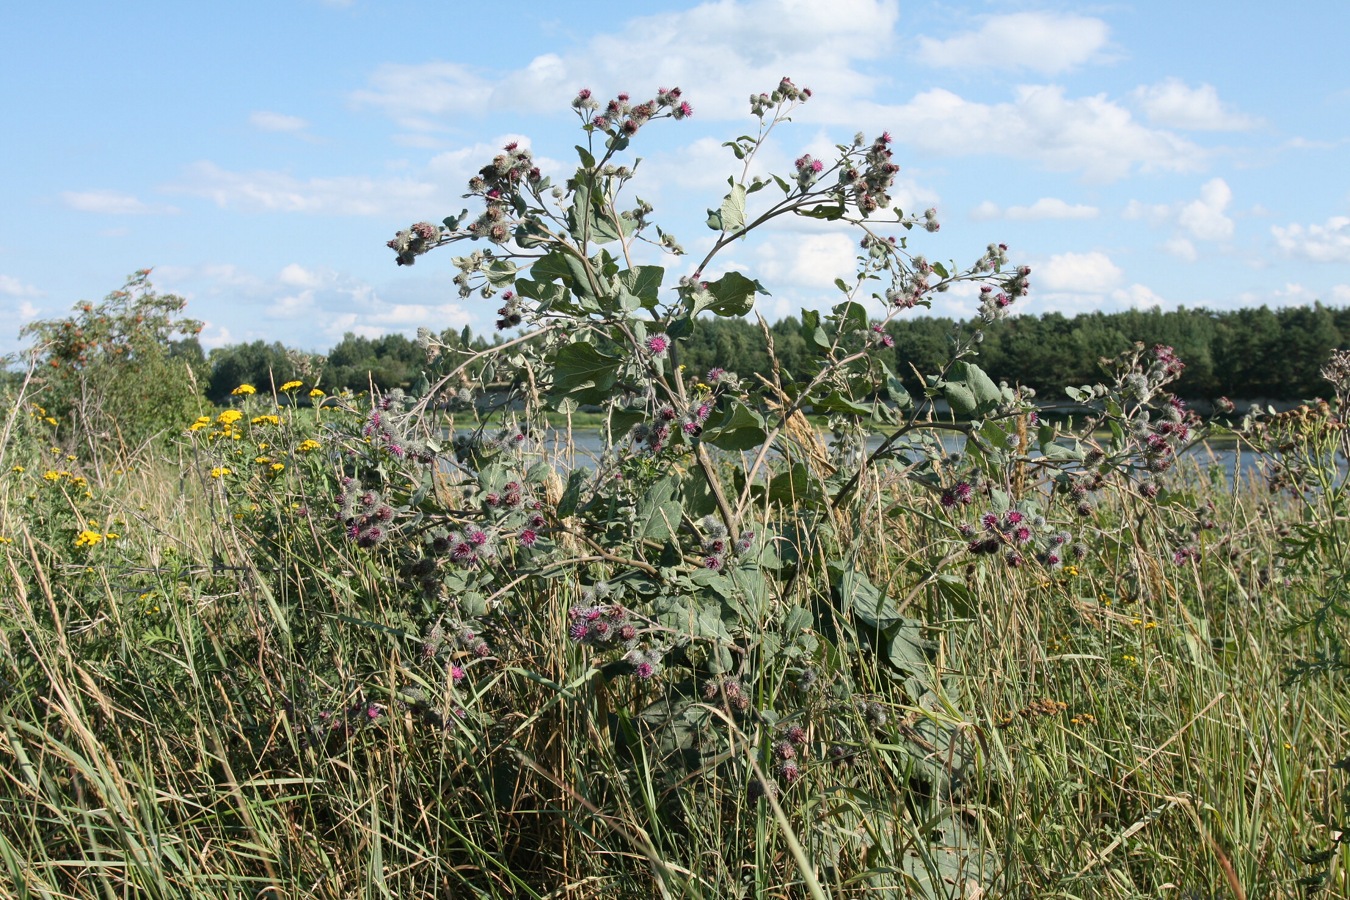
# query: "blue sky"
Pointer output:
{"type": "Point", "coordinates": [259, 155]}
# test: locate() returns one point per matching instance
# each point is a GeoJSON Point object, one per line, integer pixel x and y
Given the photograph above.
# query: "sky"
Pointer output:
{"type": "Point", "coordinates": [259, 155]}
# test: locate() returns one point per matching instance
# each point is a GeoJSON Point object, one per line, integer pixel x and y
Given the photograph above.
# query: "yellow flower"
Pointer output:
{"type": "Point", "coordinates": [315, 392]}
{"type": "Point", "coordinates": [308, 445]}
{"type": "Point", "coordinates": [220, 472]}
{"type": "Point", "coordinates": [265, 420]}
{"type": "Point", "coordinates": [18, 470]}
{"type": "Point", "coordinates": [111, 536]}
{"type": "Point", "coordinates": [88, 538]}
{"type": "Point", "coordinates": [202, 422]}
{"type": "Point", "coordinates": [51, 475]}
{"type": "Point", "coordinates": [244, 390]}
{"type": "Point", "coordinates": [5, 540]}
{"type": "Point", "coordinates": [50, 421]}
{"type": "Point", "coordinates": [291, 385]}
{"type": "Point", "coordinates": [277, 467]}
{"type": "Point", "coordinates": [262, 460]}
{"type": "Point", "coordinates": [229, 417]}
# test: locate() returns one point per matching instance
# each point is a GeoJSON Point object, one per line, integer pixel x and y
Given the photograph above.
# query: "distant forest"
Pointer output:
{"type": "Point", "coordinates": [1243, 354]}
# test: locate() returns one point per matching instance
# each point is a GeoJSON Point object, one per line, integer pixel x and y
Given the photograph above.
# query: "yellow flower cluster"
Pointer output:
{"type": "Point", "coordinates": [17, 470]}
{"type": "Point", "coordinates": [220, 472]}
{"type": "Point", "coordinates": [202, 422]}
{"type": "Point", "coordinates": [244, 390]}
{"type": "Point", "coordinates": [229, 417]}
{"type": "Point", "coordinates": [309, 445]}
{"type": "Point", "coordinates": [315, 393]}
{"type": "Point", "coordinates": [291, 386]}
{"type": "Point", "coordinates": [5, 540]}
{"type": "Point", "coordinates": [265, 420]}
{"type": "Point", "coordinates": [88, 538]}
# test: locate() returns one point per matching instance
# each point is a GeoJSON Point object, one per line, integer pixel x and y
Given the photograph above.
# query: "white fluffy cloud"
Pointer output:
{"type": "Point", "coordinates": [1044, 208]}
{"type": "Point", "coordinates": [1092, 135]}
{"type": "Point", "coordinates": [1203, 219]}
{"type": "Point", "coordinates": [273, 121]}
{"type": "Point", "coordinates": [712, 50]}
{"type": "Point", "coordinates": [1042, 42]}
{"type": "Point", "coordinates": [1317, 243]}
{"type": "Point", "coordinates": [112, 203]}
{"type": "Point", "coordinates": [13, 287]}
{"type": "Point", "coordinates": [267, 191]}
{"type": "Point", "coordinates": [1092, 273]}
{"type": "Point", "coordinates": [1172, 103]}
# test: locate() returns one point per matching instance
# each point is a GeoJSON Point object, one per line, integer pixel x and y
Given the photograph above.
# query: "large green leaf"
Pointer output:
{"type": "Point", "coordinates": [730, 217]}
{"type": "Point", "coordinates": [658, 513]}
{"type": "Point", "coordinates": [970, 391]}
{"type": "Point", "coordinates": [583, 373]}
{"type": "Point", "coordinates": [733, 294]}
{"type": "Point", "coordinates": [740, 428]}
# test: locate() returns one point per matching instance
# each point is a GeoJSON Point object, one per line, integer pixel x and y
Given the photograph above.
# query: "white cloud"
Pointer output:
{"type": "Point", "coordinates": [13, 287]}
{"type": "Point", "coordinates": [1204, 218]}
{"type": "Point", "coordinates": [265, 191]}
{"type": "Point", "coordinates": [272, 121]}
{"type": "Point", "coordinates": [112, 203]}
{"type": "Point", "coordinates": [808, 261]}
{"type": "Point", "coordinates": [713, 51]}
{"type": "Point", "coordinates": [1138, 296]}
{"type": "Point", "coordinates": [1093, 135]}
{"type": "Point", "coordinates": [1039, 41]}
{"type": "Point", "coordinates": [296, 275]}
{"type": "Point", "coordinates": [1173, 104]}
{"type": "Point", "coordinates": [1181, 248]}
{"type": "Point", "coordinates": [1044, 208]}
{"type": "Point", "coordinates": [1317, 243]}
{"type": "Point", "coordinates": [1091, 272]}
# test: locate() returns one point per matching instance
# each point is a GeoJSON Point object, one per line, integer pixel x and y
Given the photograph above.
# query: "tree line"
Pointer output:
{"type": "Point", "coordinates": [1243, 354]}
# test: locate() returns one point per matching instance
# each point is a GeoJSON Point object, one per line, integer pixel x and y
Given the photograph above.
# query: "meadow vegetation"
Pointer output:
{"type": "Point", "coordinates": [303, 644]}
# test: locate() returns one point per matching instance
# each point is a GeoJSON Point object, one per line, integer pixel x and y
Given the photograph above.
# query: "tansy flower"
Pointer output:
{"type": "Point", "coordinates": [229, 417]}
{"type": "Point", "coordinates": [265, 420]}
{"type": "Point", "coordinates": [18, 470]}
{"type": "Point", "coordinates": [202, 422]}
{"type": "Point", "coordinates": [308, 445]}
{"type": "Point", "coordinates": [244, 390]}
{"type": "Point", "coordinates": [291, 386]}
{"type": "Point", "coordinates": [51, 475]}
{"type": "Point", "coordinates": [87, 538]}
{"type": "Point", "coordinates": [277, 467]}
{"type": "Point", "coordinates": [220, 472]}
{"type": "Point", "coordinates": [315, 392]}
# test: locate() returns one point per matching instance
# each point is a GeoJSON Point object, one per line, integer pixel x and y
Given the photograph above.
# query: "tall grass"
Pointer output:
{"type": "Point", "coordinates": [225, 701]}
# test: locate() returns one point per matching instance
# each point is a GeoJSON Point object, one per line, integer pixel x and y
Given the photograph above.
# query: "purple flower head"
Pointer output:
{"type": "Point", "coordinates": [645, 670]}
{"type": "Point", "coordinates": [658, 344]}
{"type": "Point", "coordinates": [528, 538]}
{"type": "Point", "coordinates": [456, 674]}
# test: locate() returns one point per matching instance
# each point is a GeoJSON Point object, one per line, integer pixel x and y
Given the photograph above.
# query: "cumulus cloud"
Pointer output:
{"type": "Point", "coordinates": [1042, 42]}
{"type": "Point", "coordinates": [1044, 208]}
{"type": "Point", "coordinates": [1181, 248]}
{"type": "Point", "coordinates": [1093, 135]}
{"type": "Point", "coordinates": [1174, 104]}
{"type": "Point", "coordinates": [1092, 272]}
{"type": "Point", "coordinates": [711, 50]}
{"type": "Point", "coordinates": [1204, 218]}
{"type": "Point", "coordinates": [13, 287]}
{"type": "Point", "coordinates": [1316, 243]}
{"type": "Point", "coordinates": [1137, 296]}
{"type": "Point", "coordinates": [273, 121]}
{"type": "Point", "coordinates": [269, 191]}
{"type": "Point", "coordinates": [112, 203]}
